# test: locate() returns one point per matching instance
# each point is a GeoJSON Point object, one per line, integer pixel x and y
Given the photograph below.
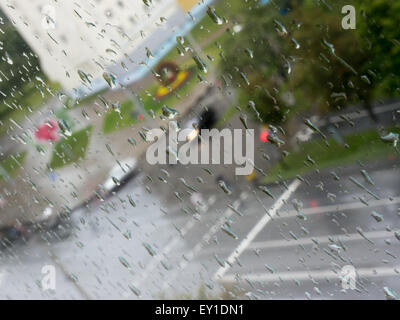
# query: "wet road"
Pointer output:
{"type": "Point", "coordinates": [171, 243]}
{"type": "Point", "coordinates": [300, 254]}
{"type": "Point", "coordinates": [163, 237]}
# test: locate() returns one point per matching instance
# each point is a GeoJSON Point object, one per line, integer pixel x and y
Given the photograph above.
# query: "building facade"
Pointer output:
{"type": "Point", "coordinates": [95, 36]}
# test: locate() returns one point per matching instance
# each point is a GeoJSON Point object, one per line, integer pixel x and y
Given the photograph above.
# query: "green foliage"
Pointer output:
{"type": "Point", "coordinates": [28, 99]}
{"type": "Point", "coordinates": [19, 64]}
{"type": "Point", "coordinates": [24, 86]}
{"type": "Point", "coordinates": [329, 63]}
{"type": "Point", "coordinates": [117, 120]}
{"type": "Point", "coordinates": [307, 52]}
{"type": "Point", "coordinates": [378, 27]}
{"type": "Point", "coordinates": [366, 145]}
{"type": "Point", "coordinates": [114, 121]}
{"type": "Point", "coordinates": [255, 54]}
{"type": "Point", "coordinates": [10, 165]}
{"type": "Point", "coordinates": [71, 149]}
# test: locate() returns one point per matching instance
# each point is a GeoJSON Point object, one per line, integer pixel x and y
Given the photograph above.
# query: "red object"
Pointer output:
{"type": "Point", "coordinates": [47, 131]}
{"type": "Point", "coordinates": [313, 204]}
{"type": "Point", "coordinates": [264, 136]}
{"type": "Point", "coordinates": [140, 117]}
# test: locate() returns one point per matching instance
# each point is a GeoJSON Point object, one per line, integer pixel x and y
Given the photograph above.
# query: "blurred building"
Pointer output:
{"type": "Point", "coordinates": [96, 36]}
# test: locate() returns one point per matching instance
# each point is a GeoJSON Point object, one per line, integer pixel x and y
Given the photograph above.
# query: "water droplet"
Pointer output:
{"type": "Point", "coordinates": [392, 138]}
{"type": "Point", "coordinates": [149, 249]}
{"type": "Point", "coordinates": [243, 119]}
{"type": "Point", "coordinates": [110, 79]}
{"type": "Point", "coordinates": [390, 294]}
{"type": "Point", "coordinates": [213, 15]}
{"type": "Point", "coordinates": [84, 77]}
{"type": "Point", "coordinates": [116, 181]}
{"type": "Point", "coordinates": [148, 53]}
{"type": "Point", "coordinates": [224, 187]}
{"type": "Point", "coordinates": [131, 201]}
{"type": "Point", "coordinates": [109, 149]}
{"type": "Point", "coordinates": [169, 113]}
{"type": "Point", "coordinates": [208, 171]}
{"type": "Point", "coordinates": [64, 127]}
{"type": "Point", "coordinates": [313, 127]}
{"type": "Point", "coordinates": [359, 230]}
{"type": "Point", "coordinates": [85, 114]}
{"type": "Point", "coordinates": [148, 3]}
{"type": "Point", "coordinates": [135, 290]}
{"type": "Point", "coordinates": [335, 176]}
{"type": "Point", "coordinates": [220, 262]}
{"type": "Point", "coordinates": [249, 53]}
{"type": "Point", "coordinates": [152, 114]}
{"type": "Point", "coordinates": [8, 58]}
{"type": "Point", "coordinates": [132, 141]}
{"type": "Point", "coordinates": [377, 216]}
{"type": "Point", "coordinates": [244, 77]}
{"type": "Point", "coordinates": [79, 244]}
{"type": "Point", "coordinates": [296, 44]}
{"type": "Point", "coordinates": [200, 64]}
{"type": "Point", "coordinates": [280, 28]}
{"type": "Point", "coordinates": [269, 268]}
{"type": "Point", "coordinates": [266, 191]}
{"type": "Point", "coordinates": [226, 228]}
{"type": "Point", "coordinates": [124, 262]}
{"type": "Point", "coordinates": [367, 177]}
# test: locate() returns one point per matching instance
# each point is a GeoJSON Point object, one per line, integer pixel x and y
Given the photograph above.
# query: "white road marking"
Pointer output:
{"type": "Point", "coordinates": [312, 275]}
{"type": "Point", "coordinates": [204, 240]}
{"type": "Point", "coordinates": [340, 207]}
{"type": "Point", "coordinates": [257, 228]}
{"type": "Point", "coordinates": [309, 240]}
{"type": "Point", "coordinates": [308, 211]}
{"type": "Point", "coordinates": [142, 277]}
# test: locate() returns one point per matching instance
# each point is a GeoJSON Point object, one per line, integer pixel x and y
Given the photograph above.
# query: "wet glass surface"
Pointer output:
{"type": "Point", "coordinates": [175, 149]}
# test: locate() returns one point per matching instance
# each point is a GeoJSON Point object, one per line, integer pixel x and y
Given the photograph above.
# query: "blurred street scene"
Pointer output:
{"type": "Point", "coordinates": [84, 215]}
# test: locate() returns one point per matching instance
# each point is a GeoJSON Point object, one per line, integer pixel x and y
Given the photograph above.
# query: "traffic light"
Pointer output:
{"type": "Point", "coordinates": [264, 136]}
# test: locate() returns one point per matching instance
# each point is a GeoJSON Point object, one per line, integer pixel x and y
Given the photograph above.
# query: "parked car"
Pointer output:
{"type": "Point", "coordinates": [119, 174]}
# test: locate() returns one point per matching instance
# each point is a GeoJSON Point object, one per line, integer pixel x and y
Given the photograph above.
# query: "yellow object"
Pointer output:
{"type": "Point", "coordinates": [187, 4]}
{"type": "Point", "coordinates": [251, 176]}
{"type": "Point", "coordinates": [180, 78]}
{"type": "Point", "coordinates": [162, 91]}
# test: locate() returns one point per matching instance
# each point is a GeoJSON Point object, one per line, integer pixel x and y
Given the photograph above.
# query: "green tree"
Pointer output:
{"type": "Point", "coordinates": [253, 59]}
{"type": "Point", "coordinates": [348, 66]}
{"type": "Point", "coordinates": [378, 26]}
{"type": "Point", "coordinates": [18, 64]}
{"type": "Point", "coordinates": [308, 53]}
{"type": "Point", "coordinates": [329, 62]}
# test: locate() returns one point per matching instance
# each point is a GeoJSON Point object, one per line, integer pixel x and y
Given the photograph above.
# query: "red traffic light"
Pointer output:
{"type": "Point", "coordinates": [264, 136]}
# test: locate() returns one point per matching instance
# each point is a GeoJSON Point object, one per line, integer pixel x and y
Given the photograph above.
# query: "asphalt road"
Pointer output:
{"type": "Point", "coordinates": [172, 245]}
{"type": "Point", "coordinates": [160, 236]}
{"type": "Point", "coordinates": [283, 255]}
